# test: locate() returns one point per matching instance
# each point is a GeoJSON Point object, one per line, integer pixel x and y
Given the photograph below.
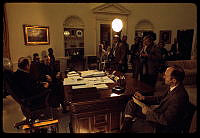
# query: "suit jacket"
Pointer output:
{"type": "Point", "coordinates": [172, 109]}
{"type": "Point", "coordinates": [120, 52]}
{"type": "Point", "coordinates": [152, 62]}
{"type": "Point", "coordinates": [25, 86]}
{"type": "Point", "coordinates": [47, 70]}
{"type": "Point", "coordinates": [35, 70]}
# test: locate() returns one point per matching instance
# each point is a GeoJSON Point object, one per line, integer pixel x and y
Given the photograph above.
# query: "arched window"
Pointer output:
{"type": "Point", "coordinates": [142, 27]}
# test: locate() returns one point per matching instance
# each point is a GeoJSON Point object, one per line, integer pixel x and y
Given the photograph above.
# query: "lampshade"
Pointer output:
{"type": "Point", "coordinates": [117, 25]}
{"type": "Point", "coordinates": [7, 64]}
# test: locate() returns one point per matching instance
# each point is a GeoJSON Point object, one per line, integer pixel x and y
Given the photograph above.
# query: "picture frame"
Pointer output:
{"type": "Point", "coordinates": [36, 35]}
{"type": "Point", "coordinates": [165, 36]}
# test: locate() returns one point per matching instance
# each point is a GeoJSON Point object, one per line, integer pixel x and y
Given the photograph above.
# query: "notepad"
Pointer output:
{"type": "Point", "coordinates": [138, 102]}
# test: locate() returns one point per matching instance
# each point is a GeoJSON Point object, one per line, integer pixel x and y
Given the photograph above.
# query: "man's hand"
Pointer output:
{"type": "Point", "coordinates": [139, 96]}
{"type": "Point", "coordinates": [49, 79]}
{"type": "Point", "coordinates": [45, 84]}
{"type": "Point", "coordinates": [58, 75]}
{"type": "Point", "coordinates": [145, 109]}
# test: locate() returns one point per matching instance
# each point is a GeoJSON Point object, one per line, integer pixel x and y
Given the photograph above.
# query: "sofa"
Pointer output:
{"type": "Point", "coordinates": [190, 68]}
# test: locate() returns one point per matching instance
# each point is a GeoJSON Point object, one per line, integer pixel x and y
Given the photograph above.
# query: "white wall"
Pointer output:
{"type": "Point", "coordinates": [170, 16]}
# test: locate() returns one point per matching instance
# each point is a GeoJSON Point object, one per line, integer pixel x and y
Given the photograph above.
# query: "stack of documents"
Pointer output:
{"type": "Point", "coordinates": [88, 79]}
{"type": "Point", "coordinates": [98, 86]}
{"type": "Point", "coordinates": [72, 74]}
{"type": "Point", "coordinates": [92, 73]}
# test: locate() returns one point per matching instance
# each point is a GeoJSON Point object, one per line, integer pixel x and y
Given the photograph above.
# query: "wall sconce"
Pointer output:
{"type": "Point", "coordinates": [117, 25]}
{"type": "Point", "coordinates": [66, 33]}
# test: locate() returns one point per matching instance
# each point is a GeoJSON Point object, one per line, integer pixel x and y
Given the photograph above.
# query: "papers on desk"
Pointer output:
{"type": "Point", "coordinates": [99, 80]}
{"type": "Point", "coordinates": [98, 86]}
{"type": "Point", "coordinates": [88, 79]}
{"type": "Point", "coordinates": [73, 81]}
{"type": "Point", "coordinates": [80, 81]}
{"type": "Point", "coordinates": [92, 73]}
{"type": "Point", "coordinates": [72, 74]}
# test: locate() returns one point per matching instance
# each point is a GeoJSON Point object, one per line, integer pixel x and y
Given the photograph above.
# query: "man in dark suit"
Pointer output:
{"type": "Point", "coordinates": [168, 116]}
{"type": "Point", "coordinates": [119, 52]}
{"type": "Point", "coordinates": [35, 67]}
{"type": "Point", "coordinates": [26, 87]}
{"type": "Point", "coordinates": [125, 46]}
{"type": "Point", "coordinates": [135, 60]}
{"type": "Point", "coordinates": [150, 57]}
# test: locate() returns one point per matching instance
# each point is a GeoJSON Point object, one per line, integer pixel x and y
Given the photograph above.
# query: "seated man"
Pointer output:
{"type": "Point", "coordinates": [26, 87]}
{"type": "Point", "coordinates": [49, 73]}
{"type": "Point", "coordinates": [168, 116]}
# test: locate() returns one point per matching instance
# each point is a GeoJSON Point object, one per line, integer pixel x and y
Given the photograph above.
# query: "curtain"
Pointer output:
{"type": "Point", "coordinates": [6, 50]}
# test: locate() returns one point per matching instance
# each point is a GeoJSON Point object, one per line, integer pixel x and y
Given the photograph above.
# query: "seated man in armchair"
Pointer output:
{"type": "Point", "coordinates": [168, 116]}
{"type": "Point", "coordinates": [25, 87]}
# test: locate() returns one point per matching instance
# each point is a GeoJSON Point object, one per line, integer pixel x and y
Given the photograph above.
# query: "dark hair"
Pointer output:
{"type": "Point", "coordinates": [178, 73]}
{"type": "Point", "coordinates": [35, 54]}
{"type": "Point", "coordinates": [50, 50]}
{"type": "Point", "coordinates": [150, 35]}
{"type": "Point", "coordinates": [23, 62]}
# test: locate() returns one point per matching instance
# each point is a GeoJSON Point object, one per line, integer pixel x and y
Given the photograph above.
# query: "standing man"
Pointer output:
{"type": "Point", "coordinates": [51, 55]}
{"type": "Point", "coordinates": [164, 54]}
{"type": "Point", "coordinates": [150, 57]}
{"type": "Point", "coordinates": [118, 51]}
{"type": "Point", "coordinates": [168, 116]}
{"type": "Point", "coordinates": [135, 60]}
{"type": "Point", "coordinates": [35, 67]}
{"type": "Point", "coordinates": [126, 46]}
{"type": "Point", "coordinates": [49, 74]}
{"type": "Point", "coordinates": [112, 55]}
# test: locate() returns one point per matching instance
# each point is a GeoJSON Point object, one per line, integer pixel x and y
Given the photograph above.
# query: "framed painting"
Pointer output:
{"type": "Point", "coordinates": [36, 35]}
{"type": "Point", "coordinates": [165, 36]}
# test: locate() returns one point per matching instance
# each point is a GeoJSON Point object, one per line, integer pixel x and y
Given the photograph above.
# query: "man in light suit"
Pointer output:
{"type": "Point", "coordinates": [171, 110]}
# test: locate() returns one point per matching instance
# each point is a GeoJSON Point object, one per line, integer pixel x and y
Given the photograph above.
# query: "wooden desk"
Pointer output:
{"type": "Point", "coordinates": [105, 113]}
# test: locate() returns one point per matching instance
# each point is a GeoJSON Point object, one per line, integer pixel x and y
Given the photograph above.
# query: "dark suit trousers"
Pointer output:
{"type": "Point", "coordinates": [140, 125]}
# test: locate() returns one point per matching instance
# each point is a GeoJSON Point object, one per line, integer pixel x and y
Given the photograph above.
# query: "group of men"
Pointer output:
{"type": "Point", "coordinates": [40, 78]}
{"type": "Point", "coordinates": [146, 57]}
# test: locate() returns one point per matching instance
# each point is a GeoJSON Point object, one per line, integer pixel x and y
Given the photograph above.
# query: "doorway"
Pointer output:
{"type": "Point", "coordinates": [105, 33]}
{"type": "Point", "coordinates": [185, 39]}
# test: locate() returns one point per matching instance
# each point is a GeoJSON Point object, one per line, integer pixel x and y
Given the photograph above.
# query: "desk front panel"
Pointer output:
{"type": "Point", "coordinates": [103, 114]}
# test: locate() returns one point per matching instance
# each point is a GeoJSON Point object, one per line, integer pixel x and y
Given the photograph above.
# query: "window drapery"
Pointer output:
{"type": "Point", "coordinates": [6, 50]}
